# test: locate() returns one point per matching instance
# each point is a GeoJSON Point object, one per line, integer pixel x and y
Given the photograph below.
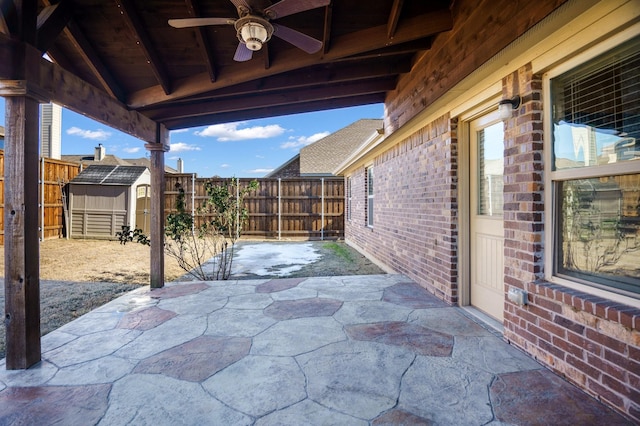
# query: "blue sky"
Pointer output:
{"type": "Point", "coordinates": [242, 149]}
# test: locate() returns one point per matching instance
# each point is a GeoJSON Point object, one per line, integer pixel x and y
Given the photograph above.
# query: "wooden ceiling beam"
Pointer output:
{"type": "Point", "coordinates": [202, 40]}
{"type": "Point", "coordinates": [66, 89]}
{"type": "Point", "coordinates": [335, 73]}
{"type": "Point", "coordinates": [396, 50]}
{"type": "Point", "coordinates": [131, 17]}
{"type": "Point", "coordinates": [51, 22]}
{"type": "Point", "coordinates": [415, 28]}
{"type": "Point", "coordinates": [239, 103]}
{"type": "Point", "coordinates": [8, 19]}
{"type": "Point", "coordinates": [326, 36]}
{"type": "Point", "coordinates": [394, 17]}
{"type": "Point", "coordinates": [84, 48]}
{"type": "Point", "coordinates": [252, 114]}
{"type": "Point", "coordinates": [4, 28]}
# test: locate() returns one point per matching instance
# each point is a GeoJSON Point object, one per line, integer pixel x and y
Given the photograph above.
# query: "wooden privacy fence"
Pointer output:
{"type": "Point", "coordinates": [308, 208]}
{"type": "Point", "coordinates": [53, 175]}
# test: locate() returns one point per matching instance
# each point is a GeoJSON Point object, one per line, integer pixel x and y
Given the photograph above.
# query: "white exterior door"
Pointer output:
{"type": "Point", "coordinates": [486, 218]}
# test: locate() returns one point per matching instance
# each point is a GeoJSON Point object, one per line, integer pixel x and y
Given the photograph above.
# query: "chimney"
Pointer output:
{"type": "Point", "coordinates": [100, 153]}
{"type": "Point", "coordinates": [180, 165]}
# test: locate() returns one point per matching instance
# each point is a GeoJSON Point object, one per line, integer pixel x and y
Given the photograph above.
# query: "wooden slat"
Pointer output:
{"type": "Point", "coordinates": [301, 201]}
{"type": "Point", "coordinates": [57, 175]}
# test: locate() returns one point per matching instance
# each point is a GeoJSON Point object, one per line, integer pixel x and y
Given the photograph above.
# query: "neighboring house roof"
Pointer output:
{"type": "Point", "coordinates": [324, 156]}
{"type": "Point", "coordinates": [112, 160]}
{"type": "Point", "coordinates": [284, 168]}
{"type": "Point", "coordinates": [86, 160]}
{"type": "Point", "coordinates": [109, 175]}
{"type": "Point", "coordinates": [143, 161]}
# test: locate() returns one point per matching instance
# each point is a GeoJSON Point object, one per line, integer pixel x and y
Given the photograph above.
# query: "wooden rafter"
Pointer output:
{"type": "Point", "coordinates": [352, 44]}
{"type": "Point", "coordinates": [310, 94]}
{"type": "Point", "coordinates": [129, 13]}
{"type": "Point", "coordinates": [84, 48]}
{"type": "Point", "coordinates": [286, 109]}
{"type": "Point", "coordinates": [66, 89]}
{"type": "Point", "coordinates": [7, 17]}
{"type": "Point", "coordinates": [202, 39]}
{"type": "Point", "coordinates": [396, 49]}
{"type": "Point", "coordinates": [336, 73]}
{"type": "Point", "coordinates": [4, 28]}
{"type": "Point", "coordinates": [326, 36]}
{"type": "Point", "coordinates": [51, 21]}
{"type": "Point", "coordinates": [394, 17]}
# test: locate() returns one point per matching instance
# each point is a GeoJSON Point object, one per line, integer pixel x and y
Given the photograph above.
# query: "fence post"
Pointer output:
{"type": "Point", "coordinates": [42, 176]}
{"type": "Point", "coordinates": [193, 203]}
{"type": "Point", "coordinates": [237, 208]}
{"type": "Point", "coordinates": [322, 214]}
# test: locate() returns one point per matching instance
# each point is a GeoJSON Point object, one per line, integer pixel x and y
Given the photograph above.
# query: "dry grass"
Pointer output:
{"type": "Point", "coordinates": [93, 260]}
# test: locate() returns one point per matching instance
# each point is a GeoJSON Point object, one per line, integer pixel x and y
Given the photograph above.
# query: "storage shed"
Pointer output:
{"type": "Point", "coordinates": [103, 198]}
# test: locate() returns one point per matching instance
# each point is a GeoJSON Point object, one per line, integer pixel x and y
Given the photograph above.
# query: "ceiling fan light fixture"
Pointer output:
{"type": "Point", "coordinates": [253, 32]}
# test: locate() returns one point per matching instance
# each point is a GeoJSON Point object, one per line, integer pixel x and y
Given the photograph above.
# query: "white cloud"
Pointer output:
{"type": "Point", "coordinates": [131, 150]}
{"type": "Point", "coordinates": [232, 132]}
{"type": "Point", "coordinates": [225, 165]}
{"type": "Point", "coordinates": [303, 140]}
{"type": "Point", "coordinates": [89, 134]}
{"type": "Point", "coordinates": [259, 171]}
{"type": "Point", "coordinates": [181, 146]}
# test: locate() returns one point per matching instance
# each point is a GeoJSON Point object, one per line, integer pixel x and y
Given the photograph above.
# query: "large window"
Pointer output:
{"type": "Point", "coordinates": [596, 170]}
{"type": "Point", "coordinates": [370, 196]}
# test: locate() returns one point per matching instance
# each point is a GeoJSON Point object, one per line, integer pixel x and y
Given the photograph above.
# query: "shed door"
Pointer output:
{"type": "Point", "coordinates": [143, 207]}
{"type": "Point", "coordinates": [486, 218]}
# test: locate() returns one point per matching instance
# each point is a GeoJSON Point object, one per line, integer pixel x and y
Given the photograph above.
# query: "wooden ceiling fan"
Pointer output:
{"type": "Point", "coordinates": [254, 26]}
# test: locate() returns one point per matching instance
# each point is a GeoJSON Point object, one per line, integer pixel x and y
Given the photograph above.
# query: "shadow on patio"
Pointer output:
{"type": "Point", "coordinates": [347, 350]}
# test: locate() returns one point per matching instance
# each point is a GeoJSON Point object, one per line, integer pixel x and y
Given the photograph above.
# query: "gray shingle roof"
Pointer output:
{"type": "Point", "coordinates": [112, 160]}
{"type": "Point", "coordinates": [322, 157]}
{"type": "Point", "coordinates": [109, 175]}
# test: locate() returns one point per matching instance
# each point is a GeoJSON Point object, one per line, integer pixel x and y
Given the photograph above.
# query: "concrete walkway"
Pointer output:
{"type": "Point", "coordinates": [352, 350]}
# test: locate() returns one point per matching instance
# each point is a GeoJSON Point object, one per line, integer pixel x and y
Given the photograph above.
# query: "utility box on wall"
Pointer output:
{"type": "Point", "coordinates": [103, 198]}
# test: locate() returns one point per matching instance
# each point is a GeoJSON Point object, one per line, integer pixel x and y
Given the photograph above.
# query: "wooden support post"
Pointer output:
{"type": "Point", "coordinates": [157, 151]}
{"type": "Point", "coordinates": [21, 244]}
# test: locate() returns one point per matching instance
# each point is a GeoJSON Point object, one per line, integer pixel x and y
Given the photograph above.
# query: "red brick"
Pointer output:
{"type": "Point", "coordinates": [583, 367]}
{"type": "Point", "coordinates": [628, 364]}
{"type": "Point", "coordinates": [569, 348]}
{"type": "Point", "coordinates": [620, 388]}
{"type": "Point", "coordinates": [605, 393]}
{"type": "Point", "coordinates": [568, 324]}
{"type": "Point", "coordinates": [606, 341]}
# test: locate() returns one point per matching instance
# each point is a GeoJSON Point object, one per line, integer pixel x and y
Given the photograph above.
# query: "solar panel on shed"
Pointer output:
{"type": "Point", "coordinates": [109, 175]}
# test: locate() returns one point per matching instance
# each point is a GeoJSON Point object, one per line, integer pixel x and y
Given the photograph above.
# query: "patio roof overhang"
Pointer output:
{"type": "Point", "coordinates": [121, 64]}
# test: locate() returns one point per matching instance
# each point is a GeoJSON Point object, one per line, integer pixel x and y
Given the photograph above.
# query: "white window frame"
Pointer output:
{"type": "Point", "coordinates": [370, 176]}
{"type": "Point", "coordinates": [620, 168]}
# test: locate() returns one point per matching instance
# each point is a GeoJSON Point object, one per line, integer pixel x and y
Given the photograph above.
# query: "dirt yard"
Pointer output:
{"type": "Point", "coordinates": [78, 276]}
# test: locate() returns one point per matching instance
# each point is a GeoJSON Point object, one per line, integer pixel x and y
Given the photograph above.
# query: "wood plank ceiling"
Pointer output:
{"type": "Point", "coordinates": [185, 77]}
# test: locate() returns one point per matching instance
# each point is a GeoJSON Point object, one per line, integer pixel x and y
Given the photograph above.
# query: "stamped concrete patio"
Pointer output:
{"type": "Point", "coordinates": [352, 350]}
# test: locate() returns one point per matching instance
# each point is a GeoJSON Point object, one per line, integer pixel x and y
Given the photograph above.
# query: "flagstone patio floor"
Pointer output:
{"type": "Point", "coordinates": [350, 350]}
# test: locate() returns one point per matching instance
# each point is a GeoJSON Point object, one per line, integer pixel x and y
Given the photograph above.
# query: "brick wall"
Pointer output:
{"type": "Point", "coordinates": [290, 169]}
{"type": "Point", "coordinates": [415, 208]}
{"type": "Point", "coordinates": [593, 342]}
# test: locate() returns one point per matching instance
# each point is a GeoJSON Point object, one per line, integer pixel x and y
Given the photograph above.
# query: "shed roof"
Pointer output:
{"type": "Point", "coordinates": [324, 156]}
{"type": "Point", "coordinates": [109, 175]}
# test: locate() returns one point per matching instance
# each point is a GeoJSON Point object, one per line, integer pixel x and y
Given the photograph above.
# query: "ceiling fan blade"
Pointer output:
{"type": "Point", "coordinates": [289, 7]}
{"type": "Point", "coordinates": [238, 3]}
{"type": "Point", "coordinates": [298, 39]}
{"type": "Point", "coordinates": [243, 53]}
{"type": "Point", "coordinates": [199, 22]}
